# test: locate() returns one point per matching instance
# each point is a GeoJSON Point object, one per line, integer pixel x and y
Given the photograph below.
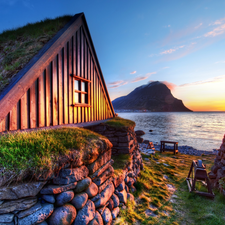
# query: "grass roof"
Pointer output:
{"type": "Point", "coordinates": [18, 46]}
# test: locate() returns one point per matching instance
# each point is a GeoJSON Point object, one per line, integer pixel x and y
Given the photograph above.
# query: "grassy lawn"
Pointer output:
{"type": "Point", "coordinates": [155, 203]}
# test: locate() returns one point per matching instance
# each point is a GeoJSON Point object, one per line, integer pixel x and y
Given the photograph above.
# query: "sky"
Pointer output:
{"type": "Point", "coordinates": [180, 43]}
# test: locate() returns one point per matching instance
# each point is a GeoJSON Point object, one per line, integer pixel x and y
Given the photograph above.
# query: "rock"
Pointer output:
{"type": "Point", "coordinates": [82, 185]}
{"type": "Point", "coordinates": [29, 211]}
{"type": "Point", "coordinates": [119, 179]}
{"type": "Point", "coordinates": [130, 197]}
{"type": "Point", "coordinates": [43, 223]}
{"type": "Point", "coordinates": [39, 216]}
{"type": "Point", "coordinates": [110, 204]}
{"type": "Point", "coordinates": [122, 195]}
{"type": "Point", "coordinates": [92, 190]}
{"type": "Point", "coordinates": [139, 139]}
{"type": "Point", "coordinates": [104, 185]}
{"type": "Point", "coordinates": [105, 195]}
{"type": "Point", "coordinates": [104, 176]}
{"type": "Point", "coordinates": [116, 200]}
{"type": "Point", "coordinates": [57, 189]}
{"type": "Point", "coordinates": [127, 188]}
{"type": "Point", "coordinates": [86, 214]}
{"type": "Point", "coordinates": [121, 186]}
{"type": "Point", "coordinates": [139, 132]}
{"type": "Point", "coordinates": [67, 176]}
{"type": "Point", "coordinates": [102, 159]}
{"type": "Point", "coordinates": [20, 204]}
{"type": "Point", "coordinates": [21, 190]}
{"type": "Point", "coordinates": [115, 212]}
{"type": "Point", "coordinates": [97, 220]}
{"type": "Point", "coordinates": [64, 198]}
{"type": "Point", "coordinates": [6, 218]}
{"type": "Point", "coordinates": [79, 200]}
{"type": "Point", "coordinates": [131, 182]}
{"type": "Point", "coordinates": [102, 169]}
{"type": "Point", "coordinates": [107, 216]}
{"type": "Point", "coordinates": [212, 175]}
{"type": "Point", "coordinates": [64, 215]}
{"type": "Point", "coordinates": [49, 198]}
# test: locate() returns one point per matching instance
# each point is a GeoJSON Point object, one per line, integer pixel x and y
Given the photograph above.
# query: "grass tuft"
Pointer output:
{"type": "Point", "coordinates": [119, 122]}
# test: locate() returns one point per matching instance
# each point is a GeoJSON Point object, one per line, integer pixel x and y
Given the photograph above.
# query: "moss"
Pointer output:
{"type": "Point", "coordinates": [38, 150]}
{"type": "Point", "coordinates": [18, 46]}
{"type": "Point", "coordinates": [120, 163]}
{"type": "Point", "coordinates": [119, 122]}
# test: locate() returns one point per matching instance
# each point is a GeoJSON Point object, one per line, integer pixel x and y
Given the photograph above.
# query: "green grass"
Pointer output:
{"type": "Point", "coordinates": [186, 208]}
{"type": "Point", "coordinates": [120, 162]}
{"type": "Point", "coordinates": [119, 122]}
{"type": "Point", "coordinates": [19, 45]}
{"type": "Point", "coordinates": [39, 150]}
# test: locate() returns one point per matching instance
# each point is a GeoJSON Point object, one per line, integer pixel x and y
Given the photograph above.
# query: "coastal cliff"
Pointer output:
{"type": "Point", "coordinates": [155, 97]}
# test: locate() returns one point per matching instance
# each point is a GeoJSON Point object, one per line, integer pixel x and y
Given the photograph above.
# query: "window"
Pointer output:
{"type": "Point", "coordinates": [81, 91]}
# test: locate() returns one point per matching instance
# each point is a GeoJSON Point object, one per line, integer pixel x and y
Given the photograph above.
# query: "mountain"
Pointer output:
{"type": "Point", "coordinates": [155, 97]}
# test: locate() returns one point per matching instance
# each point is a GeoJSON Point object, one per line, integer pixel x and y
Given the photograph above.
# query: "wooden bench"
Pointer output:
{"type": "Point", "coordinates": [163, 147]}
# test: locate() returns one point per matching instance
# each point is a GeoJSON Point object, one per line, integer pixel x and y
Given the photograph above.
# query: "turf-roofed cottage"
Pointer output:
{"type": "Point", "coordinates": [61, 84]}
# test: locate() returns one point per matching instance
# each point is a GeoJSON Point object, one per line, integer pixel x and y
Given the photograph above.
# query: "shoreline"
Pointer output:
{"type": "Point", "coordinates": [184, 149]}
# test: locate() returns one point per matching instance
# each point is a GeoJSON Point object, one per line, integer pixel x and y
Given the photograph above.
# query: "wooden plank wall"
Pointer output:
{"type": "Point", "coordinates": [48, 101]}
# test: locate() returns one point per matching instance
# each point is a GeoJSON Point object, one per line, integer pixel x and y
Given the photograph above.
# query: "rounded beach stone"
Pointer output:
{"type": "Point", "coordinates": [82, 185]}
{"type": "Point", "coordinates": [49, 198]}
{"type": "Point", "coordinates": [97, 220]}
{"type": "Point", "coordinates": [107, 216]}
{"type": "Point", "coordinates": [115, 212]}
{"type": "Point", "coordinates": [43, 223]}
{"type": "Point", "coordinates": [86, 214]}
{"type": "Point", "coordinates": [64, 197]}
{"type": "Point", "coordinates": [130, 197]}
{"type": "Point", "coordinates": [116, 200]}
{"type": "Point", "coordinates": [92, 190]}
{"type": "Point", "coordinates": [64, 215]}
{"type": "Point", "coordinates": [111, 204]}
{"type": "Point", "coordinates": [79, 200]}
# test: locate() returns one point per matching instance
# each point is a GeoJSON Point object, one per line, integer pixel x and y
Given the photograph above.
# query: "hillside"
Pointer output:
{"type": "Point", "coordinates": [154, 96]}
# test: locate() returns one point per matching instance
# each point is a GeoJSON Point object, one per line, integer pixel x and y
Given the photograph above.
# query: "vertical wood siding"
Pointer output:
{"type": "Point", "coordinates": [51, 98]}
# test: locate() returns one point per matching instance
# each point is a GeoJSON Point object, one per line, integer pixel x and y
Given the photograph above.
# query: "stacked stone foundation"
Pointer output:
{"type": "Point", "coordinates": [81, 192]}
{"type": "Point", "coordinates": [218, 169]}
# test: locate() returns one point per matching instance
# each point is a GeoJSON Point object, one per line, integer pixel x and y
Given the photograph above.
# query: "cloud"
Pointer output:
{"type": "Point", "coordinates": [218, 22]}
{"type": "Point", "coordinates": [169, 51]}
{"type": "Point", "coordinates": [133, 72]}
{"type": "Point", "coordinates": [171, 86]}
{"type": "Point", "coordinates": [198, 26]}
{"type": "Point", "coordinates": [117, 84]}
{"type": "Point", "coordinates": [213, 80]}
{"type": "Point", "coordinates": [147, 75]}
{"type": "Point", "coordinates": [167, 26]}
{"type": "Point", "coordinates": [215, 32]}
{"type": "Point", "coordinates": [219, 62]}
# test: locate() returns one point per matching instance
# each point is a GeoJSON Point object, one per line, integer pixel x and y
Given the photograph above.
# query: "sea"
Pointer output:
{"type": "Point", "coordinates": [200, 130]}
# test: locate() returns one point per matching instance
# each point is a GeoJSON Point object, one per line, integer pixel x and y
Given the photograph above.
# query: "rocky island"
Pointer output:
{"type": "Point", "coordinates": [155, 97]}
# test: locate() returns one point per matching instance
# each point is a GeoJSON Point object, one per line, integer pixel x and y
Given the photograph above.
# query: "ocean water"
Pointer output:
{"type": "Point", "coordinates": [201, 130]}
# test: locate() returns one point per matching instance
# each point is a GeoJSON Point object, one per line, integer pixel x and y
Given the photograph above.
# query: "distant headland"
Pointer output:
{"type": "Point", "coordinates": [153, 97]}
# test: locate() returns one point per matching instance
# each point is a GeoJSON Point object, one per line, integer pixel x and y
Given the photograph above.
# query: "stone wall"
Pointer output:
{"type": "Point", "coordinates": [218, 169]}
{"type": "Point", "coordinates": [123, 139]}
{"type": "Point", "coordinates": [83, 191]}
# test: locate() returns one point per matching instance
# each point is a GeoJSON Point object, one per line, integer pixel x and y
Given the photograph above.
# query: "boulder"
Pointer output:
{"type": "Point", "coordinates": [116, 200]}
{"type": "Point", "coordinates": [86, 214]}
{"type": "Point", "coordinates": [21, 190]}
{"type": "Point", "coordinates": [92, 190]}
{"type": "Point", "coordinates": [64, 198]}
{"type": "Point", "coordinates": [105, 195]}
{"type": "Point", "coordinates": [139, 132]}
{"type": "Point", "coordinates": [67, 176]}
{"type": "Point", "coordinates": [6, 218]}
{"type": "Point", "coordinates": [121, 186]}
{"type": "Point", "coordinates": [107, 216]}
{"type": "Point", "coordinates": [140, 139]}
{"type": "Point", "coordinates": [20, 204]}
{"type": "Point", "coordinates": [130, 197]}
{"type": "Point", "coordinates": [79, 200]}
{"type": "Point", "coordinates": [115, 212]}
{"type": "Point", "coordinates": [122, 195]}
{"type": "Point", "coordinates": [102, 159]}
{"type": "Point", "coordinates": [39, 216]}
{"type": "Point", "coordinates": [64, 215]}
{"type": "Point", "coordinates": [82, 185]}
{"type": "Point", "coordinates": [43, 223]}
{"type": "Point", "coordinates": [97, 220]}
{"type": "Point", "coordinates": [110, 204]}
{"type": "Point", "coordinates": [29, 211]}
{"type": "Point", "coordinates": [57, 189]}
{"type": "Point", "coordinates": [104, 185]}
{"type": "Point", "coordinates": [49, 198]}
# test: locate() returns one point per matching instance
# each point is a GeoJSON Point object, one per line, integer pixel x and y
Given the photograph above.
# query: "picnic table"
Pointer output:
{"type": "Point", "coordinates": [164, 148]}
